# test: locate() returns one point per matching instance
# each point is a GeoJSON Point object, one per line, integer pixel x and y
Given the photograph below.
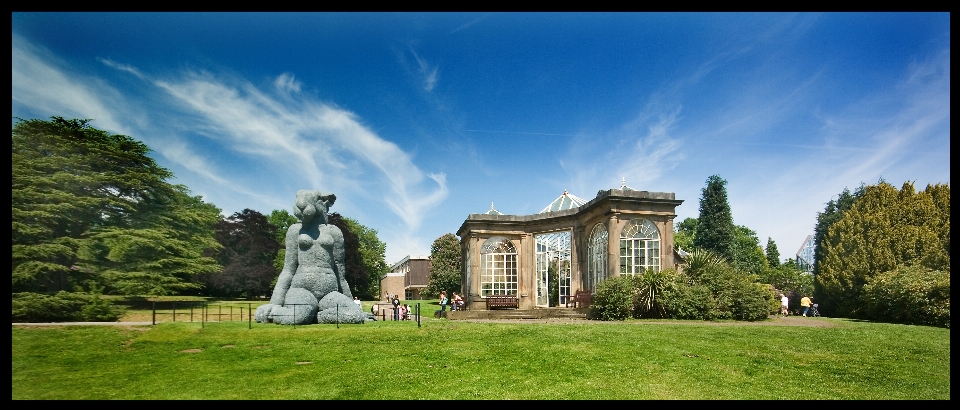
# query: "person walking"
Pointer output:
{"type": "Point", "coordinates": [443, 301]}
{"type": "Point", "coordinates": [784, 304]}
{"type": "Point", "coordinates": [805, 304]}
{"type": "Point", "coordinates": [396, 309]}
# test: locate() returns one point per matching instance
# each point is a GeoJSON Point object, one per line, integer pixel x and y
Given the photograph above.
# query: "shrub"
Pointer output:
{"type": "Point", "coordinates": [649, 288]}
{"type": "Point", "coordinates": [753, 302]}
{"type": "Point", "coordinates": [909, 294]}
{"type": "Point", "coordinates": [63, 307]}
{"type": "Point", "coordinates": [613, 299]}
{"type": "Point", "coordinates": [688, 301]}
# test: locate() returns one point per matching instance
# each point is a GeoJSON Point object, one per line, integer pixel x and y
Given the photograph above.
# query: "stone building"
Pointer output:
{"type": "Point", "coordinates": [571, 245]}
{"type": "Point", "coordinates": [407, 278]}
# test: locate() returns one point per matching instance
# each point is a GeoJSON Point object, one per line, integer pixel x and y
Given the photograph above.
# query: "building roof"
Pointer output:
{"type": "Point", "coordinates": [565, 201]}
{"type": "Point", "coordinates": [493, 211]}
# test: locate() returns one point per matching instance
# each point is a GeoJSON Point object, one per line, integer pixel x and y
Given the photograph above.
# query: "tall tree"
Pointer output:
{"type": "Point", "coordinates": [773, 255]}
{"type": "Point", "coordinates": [89, 206]}
{"type": "Point", "coordinates": [162, 253]}
{"type": "Point", "coordinates": [249, 249]}
{"type": "Point", "coordinates": [357, 275]}
{"type": "Point", "coordinates": [883, 229]}
{"type": "Point", "coordinates": [445, 265]}
{"type": "Point", "coordinates": [832, 212]}
{"type": "Point", "coordinates": [715, 229]}
{"type": "Point", "coordinates": [365, 282]}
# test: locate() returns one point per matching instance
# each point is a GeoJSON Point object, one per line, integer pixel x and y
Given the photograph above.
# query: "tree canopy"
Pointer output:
{"type": "Point", "coordinates": [92, 207]}
{"type": "Point", "coordinates": [883, 228]}
{"type": "Point", "coordinates": [445, 265]}
{"type": "Point", "coordinates": [715, 229]}
{"type": "Point", "coordinates": [248, 250]}
{"type": "Point", "coordinates": [365, 256]}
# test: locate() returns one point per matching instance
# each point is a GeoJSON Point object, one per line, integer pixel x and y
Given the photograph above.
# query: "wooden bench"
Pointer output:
{"type": "Point", "coordinates": [502, 302]}
{"type": "Point", "coordinates": [581, 300]}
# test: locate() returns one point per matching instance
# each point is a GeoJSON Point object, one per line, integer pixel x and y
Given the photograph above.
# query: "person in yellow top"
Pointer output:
{"type": "Point", "coordinates": [805, 304]}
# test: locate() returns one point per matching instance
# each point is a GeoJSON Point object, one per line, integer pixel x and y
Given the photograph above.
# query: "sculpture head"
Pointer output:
{"type": "Point", "coordinates": [311, 204]}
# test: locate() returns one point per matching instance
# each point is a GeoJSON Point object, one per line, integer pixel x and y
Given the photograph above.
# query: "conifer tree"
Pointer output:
{"type": "Point", "coordinates": [773, 255]}
{"type": "Point", "coordinates": [715, 229]}
{"type": "Point", "coordinates": [90, 207]}
{"type": "Point", "coordinates": [883, 229]}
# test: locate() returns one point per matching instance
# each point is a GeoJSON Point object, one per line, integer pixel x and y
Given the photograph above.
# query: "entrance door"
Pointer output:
{"type": "Point", "coordinates": [553, 268]}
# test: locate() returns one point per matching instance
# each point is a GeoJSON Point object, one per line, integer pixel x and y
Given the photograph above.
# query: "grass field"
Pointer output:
{"type": "Point", "coordinates": [443, 359]}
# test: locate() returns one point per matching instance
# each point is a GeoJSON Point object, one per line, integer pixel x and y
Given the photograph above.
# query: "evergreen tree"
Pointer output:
{"type": "Point", "coordinates": [92, 207]}
{"type": "Point", "coordinates": [883, 229]}
{"type": "Point", "coordinates": [715, 229]}
{"type": "Point", "coordinates": [445, 265]}
{"type": "Point", "coordinates": [832, 213]}
{"type": "Point", "coordinates": [773, 255]}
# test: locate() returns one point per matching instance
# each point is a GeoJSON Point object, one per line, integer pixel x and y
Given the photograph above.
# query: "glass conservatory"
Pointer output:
{"type": "Point", "coordinates": [572, 245]}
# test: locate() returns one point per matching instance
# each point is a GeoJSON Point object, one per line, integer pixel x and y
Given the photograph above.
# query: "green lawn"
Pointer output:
{"type": "Point", "coordinates": [447, 359]}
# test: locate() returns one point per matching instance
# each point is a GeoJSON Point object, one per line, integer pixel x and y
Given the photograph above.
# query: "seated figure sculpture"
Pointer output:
{"type": "Point", "coordinates": [312, 287]}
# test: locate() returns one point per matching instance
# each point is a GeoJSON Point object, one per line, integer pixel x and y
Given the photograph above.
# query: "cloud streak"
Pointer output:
{"type": "Point", "coordinates": [327, 147]}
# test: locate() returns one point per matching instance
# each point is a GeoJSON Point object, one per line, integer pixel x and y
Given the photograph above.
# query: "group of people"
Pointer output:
{"type": "Point", "coordinates": [455, 303]}
{"type": "Point", "coordinates": [400, 312]}
{"type": "Point", "coordinates": [805, 302]}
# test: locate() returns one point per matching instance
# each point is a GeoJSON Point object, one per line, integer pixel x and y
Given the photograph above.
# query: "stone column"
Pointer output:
{"type": "Point", "coordinates": [613, 246]}
{"type": "Point", "coordinates": [527, 275]}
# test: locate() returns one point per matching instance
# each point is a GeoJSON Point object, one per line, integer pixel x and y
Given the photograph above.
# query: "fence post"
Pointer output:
{"type": "Point", "coordinates": [249, 316]}
{"type": "Point", "coordinates": [191, 313]}
{"type": "Point", "coordinates": [418, 315]}
{"type": "Point", "coordinates": [174, 311]}
{"type": "Point", "coordinates": [154, 320]}
{"type": "Point", "coordinates": [219, 313]}
{"type": "Point", "coordinates": [203, 315]}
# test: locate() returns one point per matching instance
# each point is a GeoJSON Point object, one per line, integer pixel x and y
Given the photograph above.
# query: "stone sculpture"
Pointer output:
{"type": "Point", "coordinates": [312, 287]}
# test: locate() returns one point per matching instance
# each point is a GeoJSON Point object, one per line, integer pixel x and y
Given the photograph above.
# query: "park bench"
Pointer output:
{"type": "Point", "coordinates": [582, 299]}
{"type": "Point", "coordinates": [502, 302]}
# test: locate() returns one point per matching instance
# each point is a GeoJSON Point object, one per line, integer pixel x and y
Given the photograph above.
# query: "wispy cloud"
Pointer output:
{"type": "Point", "coordinates": [286, 82]}
{"type": "Point", "coordinates": [40, 84]}
{"type": "Point", "coordinates": [428, 72]}
{"type": "Point", "coordinates": [309, 137]}
{"type": "Point", "coordinates": [652, 154]}
{"type": "Point", "coordinates": [325, 146]}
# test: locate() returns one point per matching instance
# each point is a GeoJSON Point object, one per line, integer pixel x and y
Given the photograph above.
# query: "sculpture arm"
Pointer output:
{"type": "Point", "coordinates": [290, 262]}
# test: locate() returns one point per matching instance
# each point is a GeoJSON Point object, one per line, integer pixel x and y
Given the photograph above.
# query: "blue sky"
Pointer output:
{"type": "Point", "coordinates": [416, 120]}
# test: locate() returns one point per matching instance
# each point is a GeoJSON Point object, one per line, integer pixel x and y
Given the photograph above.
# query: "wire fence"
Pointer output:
{"type": "Point", "coordinates": [204, 312]}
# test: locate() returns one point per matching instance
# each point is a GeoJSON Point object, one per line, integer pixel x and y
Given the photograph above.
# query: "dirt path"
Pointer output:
{"type": "Point", "coordinates": [773, 321]}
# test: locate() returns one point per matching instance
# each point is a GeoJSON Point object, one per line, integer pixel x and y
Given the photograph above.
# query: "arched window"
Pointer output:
{"type": "Point", "coordinates": [639, 247]}
{"type": "Point", "coordinates": [499, 260]}
{"type": "Point", "coordinates": [596, 256]}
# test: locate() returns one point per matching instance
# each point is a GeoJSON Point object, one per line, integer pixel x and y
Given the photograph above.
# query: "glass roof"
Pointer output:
{"type": "Point", "coordinates": [565, 201]}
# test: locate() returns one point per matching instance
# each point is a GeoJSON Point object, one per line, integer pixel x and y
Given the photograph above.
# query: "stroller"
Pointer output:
{"type": "Point", "coordinates": [814, 312]}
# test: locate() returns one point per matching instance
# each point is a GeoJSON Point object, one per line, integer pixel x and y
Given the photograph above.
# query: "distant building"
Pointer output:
{"type": "Point", "coordinates": [572, 244]}
{"type": "Point", "coordinates": [407, 278]}
{"type": "Point", "coordinates": [805, 255]}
